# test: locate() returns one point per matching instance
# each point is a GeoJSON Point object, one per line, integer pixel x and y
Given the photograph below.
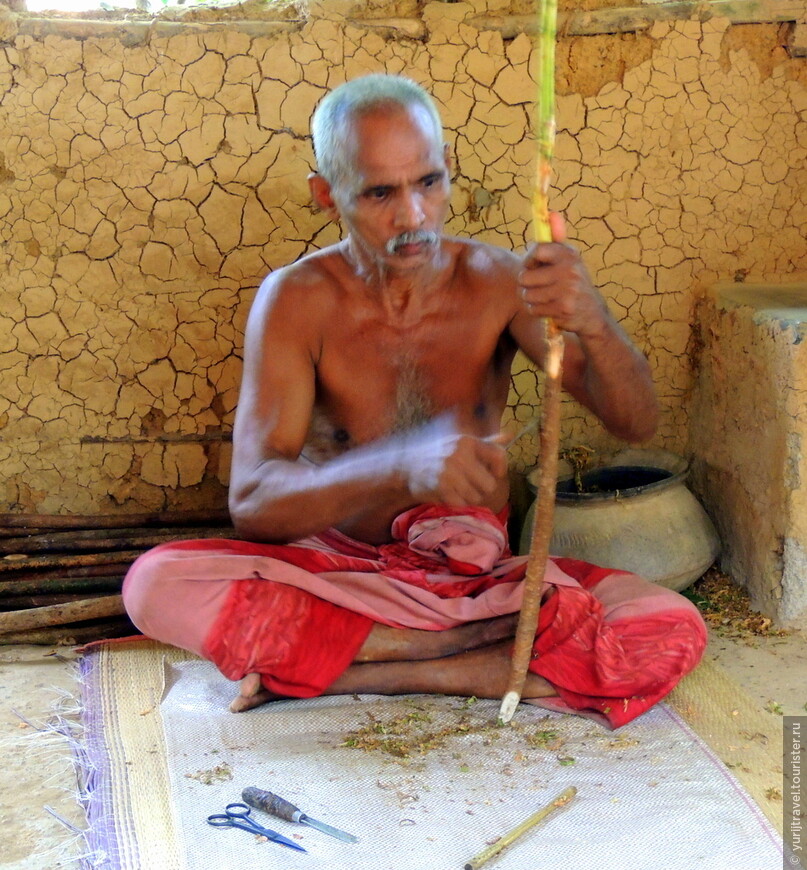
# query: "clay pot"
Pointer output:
{"type": "Point", "coordinates": [635, 514]}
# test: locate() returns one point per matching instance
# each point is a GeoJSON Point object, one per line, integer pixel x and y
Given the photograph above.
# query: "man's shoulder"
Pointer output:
{"type": "Point", "coordinates": [307, 282]}
{"type": "Point", "coordinates": [486, 263]}
{"type": "Point", "coordinates": [313, 269]}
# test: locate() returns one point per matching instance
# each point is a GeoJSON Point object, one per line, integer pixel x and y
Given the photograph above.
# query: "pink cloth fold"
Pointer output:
{"type": "Point", "coordinates": [471, 542]}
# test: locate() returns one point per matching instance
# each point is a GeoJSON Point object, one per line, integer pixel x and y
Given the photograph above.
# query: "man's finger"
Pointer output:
{"type": "Point", "coordinates": [557, 226]}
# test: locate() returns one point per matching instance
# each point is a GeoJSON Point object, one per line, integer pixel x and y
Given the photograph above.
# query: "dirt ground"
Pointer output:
{"type": "Point", "coordinates": [37, 771]}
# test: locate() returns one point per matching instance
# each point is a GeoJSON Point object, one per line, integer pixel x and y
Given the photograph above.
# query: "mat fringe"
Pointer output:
{"type": "Point", "coordinates": [55, 745]}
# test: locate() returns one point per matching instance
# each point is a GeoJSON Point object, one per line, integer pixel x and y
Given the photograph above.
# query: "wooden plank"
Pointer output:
{"type": "Point", "coordinates": [628, 19]}
{"type": "Point", "coordinates": [623, 19]}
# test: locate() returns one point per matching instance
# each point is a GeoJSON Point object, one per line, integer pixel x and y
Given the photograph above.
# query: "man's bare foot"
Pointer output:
{"type": "Point", "coordinates": [468, 660]}
{"type": "Point", "coordinates": [385, 644]}
{"type": "Point", "coordinates": [251, 693]}
{"type": "Point", "coordinates": [483, 673]}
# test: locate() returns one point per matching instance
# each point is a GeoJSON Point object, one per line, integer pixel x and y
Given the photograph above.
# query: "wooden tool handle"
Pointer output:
{"type": "Point", "coordinates": [270, 803]}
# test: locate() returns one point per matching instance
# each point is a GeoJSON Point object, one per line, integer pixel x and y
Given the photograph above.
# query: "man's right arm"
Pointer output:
{"type": "Point", "coordinates": [276, 496]}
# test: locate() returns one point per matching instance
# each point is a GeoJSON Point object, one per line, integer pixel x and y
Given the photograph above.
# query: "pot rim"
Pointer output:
{"type": "Point", "coordinates": [634, 457]}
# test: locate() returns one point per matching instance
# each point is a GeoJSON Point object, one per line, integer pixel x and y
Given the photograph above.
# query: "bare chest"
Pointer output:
{"type": "Point", "coordinates": [375, 377]}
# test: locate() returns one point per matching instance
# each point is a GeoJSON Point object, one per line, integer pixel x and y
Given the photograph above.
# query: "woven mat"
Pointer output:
{"type": "Point", "coordinates": [165, 753]}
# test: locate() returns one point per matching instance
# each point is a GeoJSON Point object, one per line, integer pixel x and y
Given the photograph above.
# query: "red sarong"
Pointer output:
{"type": "Point", "coordinates": [610, 643]}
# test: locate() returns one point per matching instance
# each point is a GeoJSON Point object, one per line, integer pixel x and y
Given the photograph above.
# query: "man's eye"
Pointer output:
{"type": "Point", "coordinates": [431, 180]}
{"type": "Point", "coordinates": [378, 193]}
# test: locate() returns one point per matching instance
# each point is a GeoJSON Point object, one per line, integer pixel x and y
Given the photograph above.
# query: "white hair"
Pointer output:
{"type": "Point", "coordinates": [332, 117]}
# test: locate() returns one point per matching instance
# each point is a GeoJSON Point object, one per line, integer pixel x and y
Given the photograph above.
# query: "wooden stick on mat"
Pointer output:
{"type": "Point", "coordinates": [511, 836]}
{"type": "Point", "coordinates": [550, 415]}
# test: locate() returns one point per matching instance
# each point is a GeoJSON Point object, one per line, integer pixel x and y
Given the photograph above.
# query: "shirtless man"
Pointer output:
{"type": "Point", "coordinates": [376, 371]}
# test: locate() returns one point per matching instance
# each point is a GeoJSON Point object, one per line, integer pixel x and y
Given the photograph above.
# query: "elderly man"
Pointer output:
{"type": "Point", "coordinates": [369, 475]}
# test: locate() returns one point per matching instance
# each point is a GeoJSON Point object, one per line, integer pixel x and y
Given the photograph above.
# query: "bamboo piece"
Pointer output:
{"type": "Point", "coordinates": [553, 367]}
{"type": "Point", "coordinates": [511, 836]}
{"type": "Point", "coordinates": [61, 614]}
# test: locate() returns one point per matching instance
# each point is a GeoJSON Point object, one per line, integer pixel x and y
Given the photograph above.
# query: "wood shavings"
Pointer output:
{"type": "Point", "coordinates": [219, 773]}
{"type": "Point", "coordinates": [622, 741]}
{"type": "Point", "coordinates": [415, 733]}
{"type": "Point", "coordinates": [546, 739]}
{"type": "Point", "coordinates": [407, 735]}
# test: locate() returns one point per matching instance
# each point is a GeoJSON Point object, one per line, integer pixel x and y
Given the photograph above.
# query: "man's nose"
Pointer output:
{"type": "Point", "coordinates": [409, 214]}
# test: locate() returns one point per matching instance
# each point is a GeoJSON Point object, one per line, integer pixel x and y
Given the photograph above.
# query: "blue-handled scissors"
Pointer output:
{"type": "Point", "coordinates": [237, 815]}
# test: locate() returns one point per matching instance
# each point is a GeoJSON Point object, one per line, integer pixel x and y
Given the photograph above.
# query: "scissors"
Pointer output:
{"type": "Point", "coordinates": [237, 815]}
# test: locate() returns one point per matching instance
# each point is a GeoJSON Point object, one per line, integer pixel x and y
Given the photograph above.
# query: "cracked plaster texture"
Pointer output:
{"type": "Point", "coordinates": [146, 188]}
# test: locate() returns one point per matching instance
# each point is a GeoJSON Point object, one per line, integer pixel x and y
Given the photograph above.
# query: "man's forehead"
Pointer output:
{"type": "Point", "coordinates": [390, 114]}
{"type": "Point", "coordinates": [377, 141]}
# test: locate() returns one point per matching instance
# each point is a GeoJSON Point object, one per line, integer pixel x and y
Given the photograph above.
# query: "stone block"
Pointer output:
{"type": "Point", "coordinates": [749, 439]}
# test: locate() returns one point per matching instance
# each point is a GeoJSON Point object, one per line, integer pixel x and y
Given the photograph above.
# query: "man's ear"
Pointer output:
{"type": "Point", "coordinates": [447, 158]}
{"type": "Point", "coordinates": [321, 194]}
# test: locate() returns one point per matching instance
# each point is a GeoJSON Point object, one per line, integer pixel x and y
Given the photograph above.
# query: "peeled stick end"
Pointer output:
{"type": "Point", "coordinates": [509, 706]}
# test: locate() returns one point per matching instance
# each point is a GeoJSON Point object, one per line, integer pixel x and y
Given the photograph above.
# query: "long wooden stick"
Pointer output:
{"type": "Point", "coordinates": [61, 614]}
{"type": "Point", "coordinates": [113, 521]}
{"type": "Point", "coordinates": [553, 367]}
{"type": "Point", "coordinates": [71, 635]}
{"type": "Point", "coordinates": [54, 584]}
{"type": "Point", "coordinates": [54, 574]}
{"type": "Point", "coordinates": [15, 603]}
{"type": "Point", "coordinates": [9, 564]}
{"type": "Point", "coordinates": [97, 540]}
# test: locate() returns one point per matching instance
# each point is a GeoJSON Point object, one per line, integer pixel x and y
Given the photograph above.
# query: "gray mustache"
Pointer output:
{"type": "Point", "coordinates": [416, 237]}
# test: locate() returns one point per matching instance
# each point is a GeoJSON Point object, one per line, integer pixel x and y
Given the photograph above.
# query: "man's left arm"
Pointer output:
{"type": "Point", "coordinates": [602, 368]}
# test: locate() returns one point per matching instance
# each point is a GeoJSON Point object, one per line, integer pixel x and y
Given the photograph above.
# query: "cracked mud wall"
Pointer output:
{"type": "Point", "coordinates": [150, 178]}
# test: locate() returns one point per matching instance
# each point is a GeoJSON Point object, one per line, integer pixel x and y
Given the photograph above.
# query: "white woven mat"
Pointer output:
{"type": "Point", "coordinates": [650, 795]}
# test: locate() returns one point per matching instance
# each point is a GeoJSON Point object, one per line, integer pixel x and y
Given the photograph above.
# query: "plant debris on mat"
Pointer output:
{"type": "Point", "coordinates": [726, 608]}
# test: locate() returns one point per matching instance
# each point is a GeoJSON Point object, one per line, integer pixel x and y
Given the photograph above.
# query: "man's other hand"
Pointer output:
{"type": "Point", "coordinates": [446, 466]}
{"type": "Point", "coordinates": [554, 283]}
